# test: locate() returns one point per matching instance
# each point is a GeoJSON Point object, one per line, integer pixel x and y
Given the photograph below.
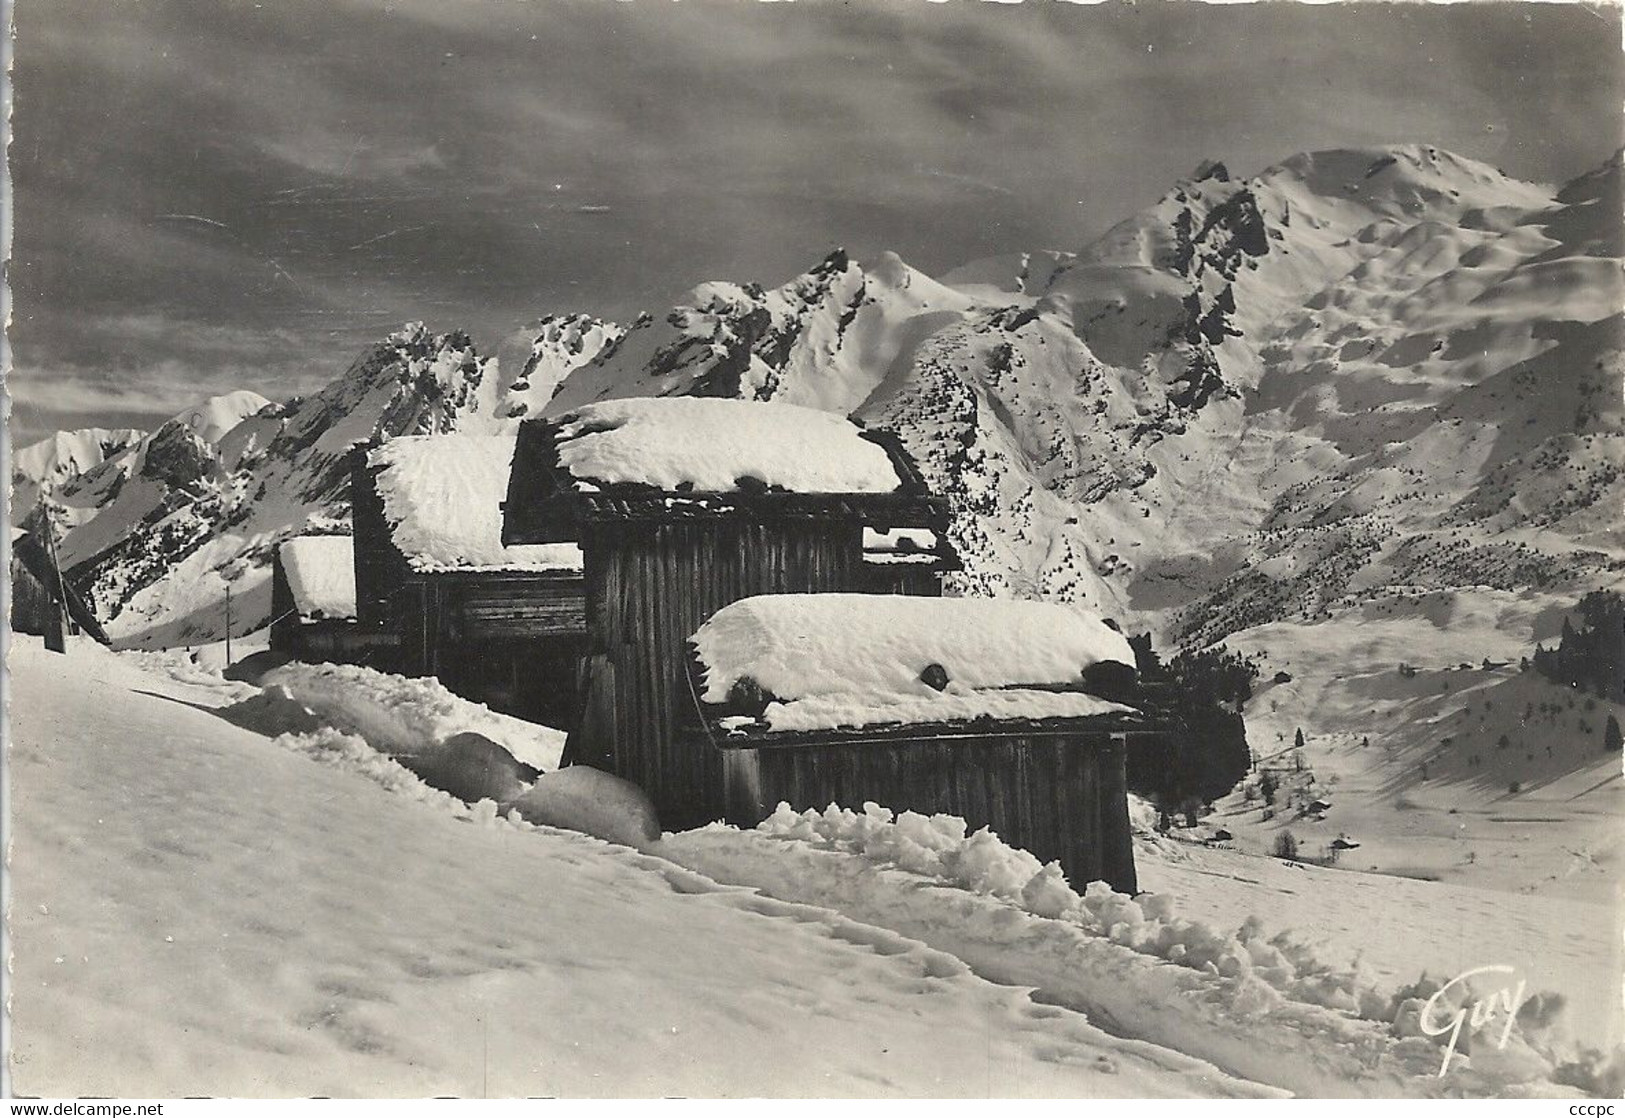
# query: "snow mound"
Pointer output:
{"type": "Point", "coordinates": [321, 576]}
{"type": "Point", "coordinates": [472, 768]}
{"type": "Point", "coordinates": [353, 754]}
{"type": "Point", "coordinates": [443, 495]}
{"type": "Point", "coordinates": [584, 799]}
{"type": "Point", "coordinates": [860, 659]}
{"type": "Point", "coordinates": [411, 718]}
{"type": "Point", "coordinates": [710, 444]}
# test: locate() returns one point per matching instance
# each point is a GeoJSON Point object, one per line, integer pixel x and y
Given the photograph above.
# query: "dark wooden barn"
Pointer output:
{"type": "Point", "coordinates": [489, 621]}
{"type": "Point", "coordinates": [682, 506]}
{"type": "Point", "coordinates": [983, 709]}
{"type": "Point", "coordinates": [313, 614]}
{"type": "Point", "coordinates": [42, 602]}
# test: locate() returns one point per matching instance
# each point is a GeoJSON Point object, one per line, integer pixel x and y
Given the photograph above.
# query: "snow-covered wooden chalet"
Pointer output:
{"type": "Point", "coordinates": [682, 506]}
{"type": "Point", "coordinates": [497, 624]}
{"type": "Point", "coordinates": [313, 614]}
{"type": "Point", "coordinates": [987, 709]}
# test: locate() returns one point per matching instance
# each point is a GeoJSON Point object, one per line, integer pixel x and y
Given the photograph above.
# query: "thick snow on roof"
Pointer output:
{"type": "Point", "coordinates": [710, 443]}
{"type": "Point", "coordinates": [856, 659]}
{"type": "Point", "coordinates": [443, 496]}
{"type": "Point", "coordinates": [956, 704]}
{"type": "Point", "coordinates": [321, 575]}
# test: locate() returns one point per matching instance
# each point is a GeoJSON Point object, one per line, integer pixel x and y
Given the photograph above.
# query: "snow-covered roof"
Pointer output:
{"type": "Point", "coordinates": [830, 660]}
{"type": "Point", "coordinates": [442, 496]}
{"type": "Point", "coordinates": [321, 576]}
{"type": "Point", "coordinates": [708, 445]}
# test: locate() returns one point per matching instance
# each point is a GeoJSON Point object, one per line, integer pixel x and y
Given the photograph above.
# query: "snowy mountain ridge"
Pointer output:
{"type": "Point", "coordinates": [57, 459]}
{"type": "Point", "coordinates": [1356, 372]}
{"type": "Point", "coordinates": [191, 516]}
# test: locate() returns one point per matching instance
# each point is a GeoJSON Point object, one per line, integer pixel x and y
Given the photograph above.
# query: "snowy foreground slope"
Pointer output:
{"type": "Point", "coordinates": [198, 911]}
{"type": "Point", "coordinates": [202, 908]}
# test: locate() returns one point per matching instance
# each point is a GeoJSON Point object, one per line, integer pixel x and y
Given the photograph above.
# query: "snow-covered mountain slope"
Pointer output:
{"type": "Point", "coordinates": [1253, 401]}
{"type": "Point", "coordinates": [82, 473]}
{"type": "Point", "coordinates": [1250, 401]}
{"type": "Point", "coordinates": [536, 360]}
{"type": "Point", "coordinates": [45, 466]}
{"type": "Point", "coordinates": [1439, 755]}
{"type": "Point", "coordinates": [1444, 414]}
{"type": "Point", "coordinates": [822, 340]}
{"type": "Point", "coordinates": [1217, 258]}
{"type": "Point", "coordinates": [998, 277]}
{"type": "Point", "coordinates": [192, 517]}
{"type": "Point", "coordinates": [101, 504]}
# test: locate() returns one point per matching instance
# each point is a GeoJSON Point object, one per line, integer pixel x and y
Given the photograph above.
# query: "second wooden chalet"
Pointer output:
{"type": "Point", "coordinates": [502, 625]}
{"type": "Point", "coordinates": [682, 506]}
{"type": "Point", "coordinates": [313, 605]}
{"type": "Point", "coordinates": [1012, 715]}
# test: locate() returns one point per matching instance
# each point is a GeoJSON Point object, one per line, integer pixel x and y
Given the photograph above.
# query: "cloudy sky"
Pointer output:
{"type": "Point", "coordinates": [214, 194]}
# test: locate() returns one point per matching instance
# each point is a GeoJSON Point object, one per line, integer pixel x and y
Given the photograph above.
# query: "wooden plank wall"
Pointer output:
{"type": "Point", "coordinates": [484, 609]}
{"type": "Point", "coordinates": [1059, 797]}
{"type": "Point", "coordinates": [380, 569]}
{"type": "Point", "coordinates": [34, 608]}
{"type": "Point", "coordinates": [913, 579]}
{"type": "Point", "coordinates": [649, 586]}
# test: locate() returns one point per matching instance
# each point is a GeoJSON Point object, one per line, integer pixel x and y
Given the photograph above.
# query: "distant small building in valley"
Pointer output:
{"type": "Point", "coordinates": [905, 561]}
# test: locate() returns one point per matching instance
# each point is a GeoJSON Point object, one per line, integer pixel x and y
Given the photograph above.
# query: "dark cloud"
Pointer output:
{"type": "Point", "coordinates": [214, 195]}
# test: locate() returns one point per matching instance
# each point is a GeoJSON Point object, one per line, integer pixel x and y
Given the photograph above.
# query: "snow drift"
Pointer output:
{"type": "Point", "coordinates": [580, 798]}
{"type": "Point", "coordinates": [409, 717]}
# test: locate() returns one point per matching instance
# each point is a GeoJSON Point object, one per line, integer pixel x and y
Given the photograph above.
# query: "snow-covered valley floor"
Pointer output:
{"type": "Point", "coordinates": [198, 908]}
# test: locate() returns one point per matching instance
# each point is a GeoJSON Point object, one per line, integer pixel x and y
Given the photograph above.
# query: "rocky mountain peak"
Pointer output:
{"type": "Point", "coordinates": [178, 458]}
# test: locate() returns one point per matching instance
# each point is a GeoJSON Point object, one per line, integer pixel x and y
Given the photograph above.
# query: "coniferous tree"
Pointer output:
{"type": "Point", "coordinates": [1209, 753]}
